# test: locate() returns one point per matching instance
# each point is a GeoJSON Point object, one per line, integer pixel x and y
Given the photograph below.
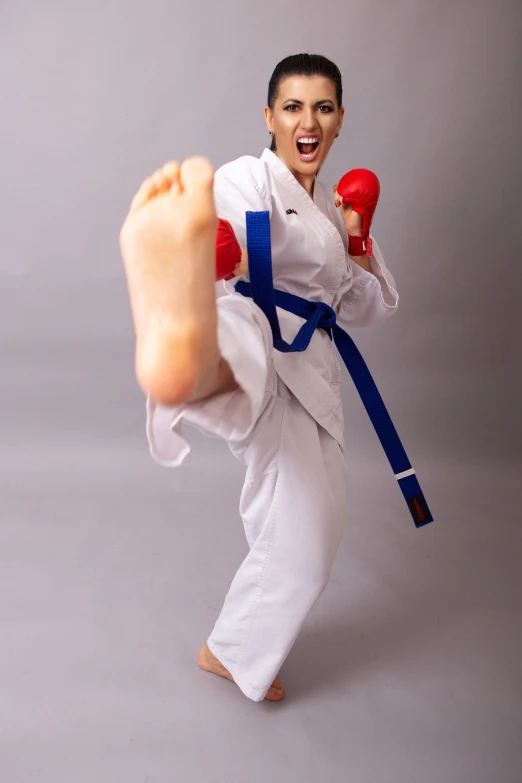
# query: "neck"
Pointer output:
{"type": "Point", "coordinates": [307, 181]}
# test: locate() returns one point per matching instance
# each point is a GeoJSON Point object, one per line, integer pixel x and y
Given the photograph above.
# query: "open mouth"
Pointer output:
{"type": "Point", "coordinates": [307, 148]}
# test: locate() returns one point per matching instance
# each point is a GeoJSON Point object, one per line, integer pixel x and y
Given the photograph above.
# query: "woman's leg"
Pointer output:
{"type": "Point", "coordinates": [197, 362]}
{"type": "Point", "coordinates": [294, 511]}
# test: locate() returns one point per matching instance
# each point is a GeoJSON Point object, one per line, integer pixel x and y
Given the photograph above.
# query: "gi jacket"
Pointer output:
{"type": "Point", "coordinates": [310, 259]}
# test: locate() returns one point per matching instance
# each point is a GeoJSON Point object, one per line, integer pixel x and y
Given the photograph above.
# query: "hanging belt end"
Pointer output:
{"type": "Point", "coordinates": [419, 510]}
{"type": "Point", "coordinates": [414, 497]}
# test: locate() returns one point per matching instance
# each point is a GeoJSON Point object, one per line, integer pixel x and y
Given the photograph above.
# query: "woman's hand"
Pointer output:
{"type": "Point", "coordinates": [242, 268]}
{"type": "Point", "coordinates": [352, 220]}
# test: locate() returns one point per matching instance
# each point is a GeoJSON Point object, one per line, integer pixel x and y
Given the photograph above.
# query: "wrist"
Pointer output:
{"type": "Point", "coordinates": [364, 262]}
{"type": "Point", "coordinates": [359, 245]}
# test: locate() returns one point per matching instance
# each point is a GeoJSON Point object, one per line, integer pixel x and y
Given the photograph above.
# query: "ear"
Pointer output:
{"type": "Point", "coordinates": [269, 119]}
{"type": "Point", "coordinates": [341, 119]}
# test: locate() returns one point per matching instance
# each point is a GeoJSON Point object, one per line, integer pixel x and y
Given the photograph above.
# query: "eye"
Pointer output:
{"type": "Point", "coordinates": [291, 106]}
{"type": "Point", "coordinates": [327, 109]}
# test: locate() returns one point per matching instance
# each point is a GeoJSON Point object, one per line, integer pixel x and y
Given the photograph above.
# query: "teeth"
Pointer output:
{"type": "Point", "coordinates": [308, 140]}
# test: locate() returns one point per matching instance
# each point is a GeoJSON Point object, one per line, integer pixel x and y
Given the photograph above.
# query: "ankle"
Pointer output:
{"type": "Point", "coordinates": [218, 378]}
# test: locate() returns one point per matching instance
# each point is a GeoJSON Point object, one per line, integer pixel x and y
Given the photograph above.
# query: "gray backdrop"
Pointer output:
{"type": "Point", "coordinates": [112, 570]}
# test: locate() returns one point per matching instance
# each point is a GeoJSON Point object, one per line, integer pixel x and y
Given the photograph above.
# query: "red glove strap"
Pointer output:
{"type": "Point", "coordinates": [228, 251]}
{"type": "Point", "coordinates": [359, 246]}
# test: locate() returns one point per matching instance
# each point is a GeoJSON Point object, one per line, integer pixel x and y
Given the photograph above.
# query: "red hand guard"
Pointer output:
{"type": "Point", "coordinates": [361, 189]}
{"type": "Point", "coordinates": [228, 251]}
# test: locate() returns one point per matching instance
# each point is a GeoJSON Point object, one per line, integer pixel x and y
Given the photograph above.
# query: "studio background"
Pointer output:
{"type": "Point", "coordinates": [112, 569]}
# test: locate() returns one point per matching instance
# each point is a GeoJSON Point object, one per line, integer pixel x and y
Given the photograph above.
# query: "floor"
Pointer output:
{"type": "Point", "coordinates": [113, 571]}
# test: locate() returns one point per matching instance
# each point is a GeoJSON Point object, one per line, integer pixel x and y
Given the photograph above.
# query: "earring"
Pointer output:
{"type": "Point", "coordinates": [336, 135]}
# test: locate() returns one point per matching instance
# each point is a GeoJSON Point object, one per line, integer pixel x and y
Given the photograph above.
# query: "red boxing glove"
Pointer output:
{"type": "Point", "coordinates": [361, 189]}
{"type": "Point", "coordinates": [228, 251]}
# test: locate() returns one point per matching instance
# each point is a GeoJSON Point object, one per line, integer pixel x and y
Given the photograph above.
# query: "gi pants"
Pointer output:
{"type": "Point", "coordinates": [293, 503]}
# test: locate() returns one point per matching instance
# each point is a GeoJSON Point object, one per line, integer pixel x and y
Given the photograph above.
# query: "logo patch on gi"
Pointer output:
{"type": "Point", "coordinates": [292, 212]}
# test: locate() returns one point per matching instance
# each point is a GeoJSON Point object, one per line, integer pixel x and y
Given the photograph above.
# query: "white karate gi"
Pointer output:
{"type": "Point", "coordinates": [285, 422]}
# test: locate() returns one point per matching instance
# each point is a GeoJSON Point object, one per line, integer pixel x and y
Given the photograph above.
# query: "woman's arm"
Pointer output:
{"type": "Point", "coordinates": [372, 296]}
{"type": "Point", "coordinates": [353, 223]}
{"type": "Point", "coordinates": [365, 262]}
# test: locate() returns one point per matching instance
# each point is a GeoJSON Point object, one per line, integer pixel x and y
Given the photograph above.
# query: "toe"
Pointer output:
{"type": "Point", "coordinates": [275, 694]}
{"type": "Point", "coordinates": [197, 175]}
{"type": "Point", "coordinates": [160, 181]}
{"type": "Point", "coordinates": [144, 194]}
{"type": "Point", "coordinates": [276, 691]}
{"type": "Point", "coordinates": [171, 172]}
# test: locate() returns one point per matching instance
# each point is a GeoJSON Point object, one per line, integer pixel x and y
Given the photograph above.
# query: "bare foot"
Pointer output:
{"type": "Point", "coordinates": [210, 663]}
{"type": "Point", "coordinates": [168, 248]}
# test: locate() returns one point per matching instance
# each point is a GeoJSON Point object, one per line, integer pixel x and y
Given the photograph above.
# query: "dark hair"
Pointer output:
{"type": "Point", "coordinates": [303, 65]}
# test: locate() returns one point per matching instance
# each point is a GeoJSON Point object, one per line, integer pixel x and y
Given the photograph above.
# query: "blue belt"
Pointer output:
{"type": "Point", "coordinates": [318, 315]}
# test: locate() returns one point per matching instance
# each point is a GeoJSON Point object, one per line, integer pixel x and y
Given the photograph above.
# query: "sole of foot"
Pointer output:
{"type": "Point", "coordinates": [167, 243]}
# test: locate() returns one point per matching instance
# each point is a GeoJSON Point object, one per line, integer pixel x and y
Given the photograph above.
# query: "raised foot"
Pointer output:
{"type": "Point", "coordinates": [168, 248]}
{"type": "Point", "coordinates": [209, 663]}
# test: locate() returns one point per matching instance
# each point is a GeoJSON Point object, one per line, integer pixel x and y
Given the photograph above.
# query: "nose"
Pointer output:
{"type": "Point", "coordinates": [309, 119]}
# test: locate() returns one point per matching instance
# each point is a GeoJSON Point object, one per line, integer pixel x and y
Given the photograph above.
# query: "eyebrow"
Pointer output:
{"type": "Point", "coordinates": [317, 103]}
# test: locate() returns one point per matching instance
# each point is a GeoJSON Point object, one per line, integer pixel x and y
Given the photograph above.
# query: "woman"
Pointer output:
{"type": "Point", "coordinates": [212, 364]}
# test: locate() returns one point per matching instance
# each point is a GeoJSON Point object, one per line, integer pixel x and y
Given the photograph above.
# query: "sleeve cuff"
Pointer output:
{"type": "Point", "coordinates": [389, 294]}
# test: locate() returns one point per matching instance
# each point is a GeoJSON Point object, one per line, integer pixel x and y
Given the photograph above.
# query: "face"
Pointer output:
{"type": "Point", "coordinates": [305, 120]}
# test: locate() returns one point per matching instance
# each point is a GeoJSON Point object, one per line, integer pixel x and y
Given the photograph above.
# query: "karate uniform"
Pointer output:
{"type": "Point", "coordinates": [285, 422]}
